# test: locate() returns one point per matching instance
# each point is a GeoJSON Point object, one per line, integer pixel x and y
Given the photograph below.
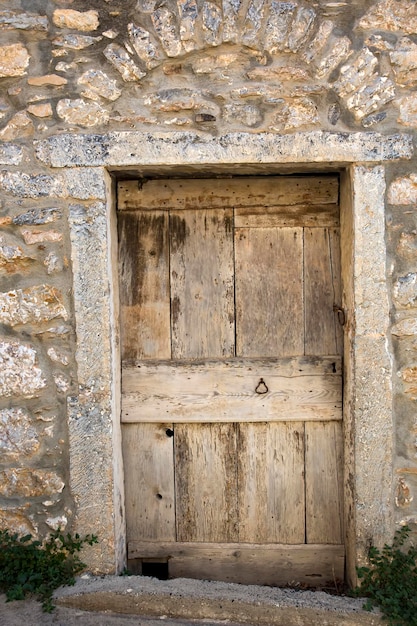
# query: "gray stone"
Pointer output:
{"type": "Point", "coordinates": [333, 113]}
{"type": "Point", "coordinates": [188, 14]}
{"type": "Point", "coordinates": [10, 154]}
{"type": "Point", "coordinates": [246, 114]}
{"type": "Point", "coordinates": [405, 328]}
{"type": "Point", "coordinates": [73, 41]}
{"type": "Point", "coordinates": [82, 113]}
{"type": "Point", "coordinates": [253, 22]}
{"type": "Point", "coordinates": [356, 73]}
{"type": "Point", "coordinates": [212, 23]}
{"type": "Point", "coordinates": [120, 59]}
{"type": "Point", "coordinates": [22, 21]}
{"type": "Point", "coordinates": [405, 291]}
{"type": "Point", "coordinates": [371, 97]}
{"type": "Point", "coordinates": [230, 16]}
{"type": "Point", "coordinates": [145, 46]}
{"type": "Point", "coordinates": [38, 216]}
{"type": "Point", "coordinates": [32, 305]}
{"type": "Point", "coordinates": [278, 24]}
{"type": "Point", "coordinates": [319, 42]}
{"type": "Point", "coordinates": [30, 185]}
{"type": "Point", "coordinates": [19, 375]}
{"type": "Point", "coordinates": [18, 436]}
{"type": "Point", "coordinates": [165, 25]}
{"type": "Point", "coordinates": [374, 118]}
{"type": "Point", "coordinates": [341, 49]}
{"type": "Point", "coordinates": [300, 28]}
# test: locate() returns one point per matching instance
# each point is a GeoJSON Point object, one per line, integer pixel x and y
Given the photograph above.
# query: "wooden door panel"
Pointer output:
{"type": "Point", "coordinates": [271, 483]}
{"type": "Point", "coordinates": [322, 291]}
{"type": "Point", "coordinates": [144, 285]}
{"type": "Point", "coordinates": [206, 482]}
{"type": "Point", "coordinates": [299, 388]}
{"type": "Point", "coordinates": [324, 482]}
{"type": "Point", "coordinates": [149, 466]}
{"type": "Point", "coordinates": [202, 291]}
{"type": "Point", "coordinates": [269, 292]}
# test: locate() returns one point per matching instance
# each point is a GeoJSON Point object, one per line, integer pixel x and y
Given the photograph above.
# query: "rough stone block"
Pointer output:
{"type": "Point", "coordinates": [404, 62]}
{"type": "Point", "coordinates": [33, 305]}
{"type": "Point", "coordinates": [19, 375]}
{"type": "Point", "coordinates": [73, 41]}
{"type": "Point", "coordinates": [98, 85]}
{"type": "Point", "coordinates": [10, 20]}
{"type": "Point", "coordinates": [405, 291]}
{"type": "Point", "coordinates": [146, 47]}
{"type": "Point", "coordinates": [12, 257]}
{"type": "Point", "coordinates": [68, 18]}
{"type": "Point", "coordinates": [165, 24]}
{"type": "Point", "coordinates": [391, 15]}
{"type": "Point", "coordinates": [38, 216]}
{"type": "Point", "coordinates": [16, 520]}
{"type": "Point", "coordinates": [405, 328]}
{"type": "Point", "coordinates": [408, 110]}
{"type": "Point", "coordinates": [18, 436]}
{"type": "Point", "coordinates": [41, 236]}
{"type": "Point", "coordinates": [18, 127]}
{"type": "Point", "coordinates": [403, 190]}
{"type": "Point", "coordinates": [29, 483]}
{"type": "Point", "coordinates": [10, 154]}
{"type": "Point", "coordinates": [14, 60]}
{"type": "Point", "coordinates": [43, 109]}
{"type": "Point", "coordinates": [120, 59]}
{"type": "Point", "coordinates": [81, 112]}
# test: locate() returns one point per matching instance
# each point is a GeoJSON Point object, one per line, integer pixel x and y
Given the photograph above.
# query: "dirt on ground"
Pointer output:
{"type": "Point", "coordinates": [143, 601]}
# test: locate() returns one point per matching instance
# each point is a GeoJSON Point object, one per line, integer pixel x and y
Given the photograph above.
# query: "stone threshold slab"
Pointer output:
{"type": "Point", "coordinates": [204, 600]}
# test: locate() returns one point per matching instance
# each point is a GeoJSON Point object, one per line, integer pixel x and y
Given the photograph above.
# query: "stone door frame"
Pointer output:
{"type": "Point", "coordinates": [96, 468]}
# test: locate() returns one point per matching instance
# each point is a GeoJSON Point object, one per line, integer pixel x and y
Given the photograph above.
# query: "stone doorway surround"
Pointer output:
{"type": "Point", "coordinates": [96, 468]}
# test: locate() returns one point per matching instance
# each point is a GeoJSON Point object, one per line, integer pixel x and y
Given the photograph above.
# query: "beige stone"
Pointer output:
{"type": "Point", "coordinates": [391, 15]}
{"type": "Point", "coordinates": [57, 356]}
{"type": "Point", "coordinates": [165, 25]}
{"type": "Point", "coordinates": [405, 291]}
{"type": "Point", "coordinates": [19, 375]}
{"type": "Point", "coordinates": [408, 110]}
{"type": "Point", "coordinates": [68, 18]}
{"type": "Point", "coordinates": [15, 520]}
{"type": "Point", "coordinates": [19, 126]}
{"type": "Point", "coordinates": [403, 190]}
{"type": "Point", "coordinates": [121, 60]}
{"type": "Point", "coordinates": [49, 79]}
{"type": "Point", "coordinates": [247, 114]}
{"type": "Point", "coordinates": [62, 382]}
{"type": "Point", "coordinates": [208, 63]}
{"type": "Point", "coordinates": [296, 113]}
{"type": "Point", "coordinates": [60, 521]}
{"type": "Point", "coordinates": [403, 495]}
{"type": "Point", "coordinates": [81, 112]}
{"type": "Point", "coordinates": [405, 328]}
{"type": "Point", "coordinates": [40, 110]}
{"type": "Point", "coordinates": [14, 60]}
{"type": "Point", "coordinates": [31, 305]}
{"type": "Point", "coordinates": [146, 47]}
{"type": "Point", "coordinates": [12, 257]}
{"type": "Point", "coordinates": [280, 73]}
{"type": "Point", "coordinates": [29, 483]}
{"type": "Point", "coordinates": [98, 85]}
{"type": "Point", "coordinates": [54, 263]}
{"type": "Point", "coordinates": [341, 49]}
{"type": "Point", "coordinates": [407, 246]}
{"type": "Point", "coordinates": [404, 62]}
{"type": "Point", "coordinates": [18, 436]}
{"type": "Point", "coordinates": [40, 236]}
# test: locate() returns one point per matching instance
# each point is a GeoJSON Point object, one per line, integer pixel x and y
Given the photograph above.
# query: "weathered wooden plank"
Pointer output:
{"type": "Point", "coordinates": [335, 258]}
{"type": "Point", "coordinates": [311, 216]}
{"type": "Point", "coordinates": [231, 192]}
{"type": "Point", "coordinates": [202, 286]}
{"type": "Point", "coordinates": [149, 484]}
{"type": "Point", "coordinates": [270, 564]}
{"type": "Point", "coordinates": [206, 482]}
{"type": "Point", "coordinates": [324, 483]}
{"type": "Point", "coordinates": [144, 285]}
{"type": "Point", "coordinates": [269, 292]}
{"type": "Point", "coordinates": [320, 318]}
{"type": "Point", "coordinates": [223, 393]}
{"type": "Point", "coordinates": [271, 483]}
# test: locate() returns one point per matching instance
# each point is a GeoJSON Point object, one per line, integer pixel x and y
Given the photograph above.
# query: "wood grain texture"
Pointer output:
{"type": "Point", "coordinates": [224, 193]}
{"type": "Point", "coordinates": [226, 391]}
{"type": "Point", "coordinates": [149, 486]}
{"type": "Point", "coordinates": [311, 216]}
{"type": "Point", "coordinates": [206, 482]}
{"type": "Point", "coordinates": [248, 563]}
{"type": "Point", "coordinates": [269, 292]}
{"type": "Point", "coordinates": [324, 482]}
{"type": "Point", "coordinates": [144, 286]}
{"type": "Point", "coordinates": [202, 284]}
{"type": "Point", "coordinates": [271, 483]}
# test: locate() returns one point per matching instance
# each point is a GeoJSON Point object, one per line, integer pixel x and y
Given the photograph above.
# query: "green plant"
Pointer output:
{"type": "Point", "coordinates": [30, 566]}
{"type": "Point", "coordinates": [391, 581]}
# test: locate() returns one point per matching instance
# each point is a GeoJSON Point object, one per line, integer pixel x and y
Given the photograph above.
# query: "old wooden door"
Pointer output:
{"type": "Point", "coordinates": [231, 377]}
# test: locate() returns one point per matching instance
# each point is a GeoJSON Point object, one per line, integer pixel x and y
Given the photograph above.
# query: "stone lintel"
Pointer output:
{"type": "Point", "coordinates": [130, 148]}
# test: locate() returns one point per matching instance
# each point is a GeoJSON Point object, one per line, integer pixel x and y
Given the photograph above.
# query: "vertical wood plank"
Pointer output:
{"type": "Point", "coordinates": [324, 468]}
{"type": "Point", "coordinates": [320, 318]}
{"type": "Point", "coordinates": [149, 488]}
{"type": "Point", "coordinates": [144, 285]}
{"type": "Point", "coordinates": [206, 482]}
{"type": "Point", "coordinates": [271, 483]}
{"type": "Point", "coordinates": [269, 292]}
{"type": "Point", "coordinates": [335, 255]}
{"type": "Point", "coordinates": [202, 293]}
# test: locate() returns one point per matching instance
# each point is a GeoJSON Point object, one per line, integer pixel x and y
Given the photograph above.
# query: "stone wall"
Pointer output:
{"type": "Point", "coordinates": [195, 69]}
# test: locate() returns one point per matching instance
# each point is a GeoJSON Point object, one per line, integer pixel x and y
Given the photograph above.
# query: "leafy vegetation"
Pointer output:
{"type": "Point", "coordinates": [30, 566]}
{"type": "Point", "coordinates": [391, 581]}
